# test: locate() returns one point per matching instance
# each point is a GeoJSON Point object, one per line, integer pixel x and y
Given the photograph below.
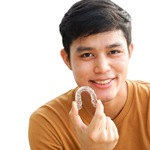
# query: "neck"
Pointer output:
{"type": "Point", "coordinates": [113, 107]}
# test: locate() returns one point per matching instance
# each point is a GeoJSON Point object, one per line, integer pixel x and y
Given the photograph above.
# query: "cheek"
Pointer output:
{"type": "Point", "coordinates": [81, 70]}
{"type": "Point", "coordinates": [122, 66]}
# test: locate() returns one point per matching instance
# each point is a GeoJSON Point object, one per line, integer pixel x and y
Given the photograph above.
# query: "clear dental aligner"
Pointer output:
{"type": "Point", "coordinates": [78, 96]}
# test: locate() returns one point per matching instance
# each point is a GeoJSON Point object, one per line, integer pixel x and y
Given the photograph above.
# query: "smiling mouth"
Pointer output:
{"type": "Point", "coordinates": [103, 82]}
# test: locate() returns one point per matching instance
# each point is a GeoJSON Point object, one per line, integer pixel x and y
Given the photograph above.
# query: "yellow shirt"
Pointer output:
{"type": "Point", "coordinates": [49, 125]}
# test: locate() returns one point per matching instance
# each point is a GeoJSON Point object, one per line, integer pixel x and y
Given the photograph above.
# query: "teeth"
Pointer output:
{"type": "Point", "coordinates": [103, 82]}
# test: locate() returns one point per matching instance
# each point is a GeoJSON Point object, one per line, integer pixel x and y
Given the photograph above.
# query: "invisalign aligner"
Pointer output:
{"type": "Point", "coordinates": [78, 96]}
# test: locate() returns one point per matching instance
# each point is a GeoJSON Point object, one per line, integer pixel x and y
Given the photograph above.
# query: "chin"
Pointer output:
{"type": "Point", "coordinates": [106, 99]}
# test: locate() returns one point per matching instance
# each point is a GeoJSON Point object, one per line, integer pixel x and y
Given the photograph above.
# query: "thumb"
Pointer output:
{"type": "Point", "coordinates": [99, 107]}
{"type": "Point", "coordinates": [74, 117]}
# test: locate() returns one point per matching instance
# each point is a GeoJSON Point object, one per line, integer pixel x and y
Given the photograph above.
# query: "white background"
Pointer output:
{"type": "Point", "coordinates": [31, 69]}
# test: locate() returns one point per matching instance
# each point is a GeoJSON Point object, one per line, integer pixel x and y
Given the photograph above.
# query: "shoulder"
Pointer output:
{"type": "Point", "coordinates": [139, 90]}
{"type": "Point", "coordinates": [50, 123]}
{"type": "Point", "coordinates": [139, 85]}
{"type": "Point", "coordinates": [55, 107]}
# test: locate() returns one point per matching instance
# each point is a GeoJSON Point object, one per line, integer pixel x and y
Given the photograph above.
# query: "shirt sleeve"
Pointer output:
{"type": "Point", "coordinates": [42, 135]}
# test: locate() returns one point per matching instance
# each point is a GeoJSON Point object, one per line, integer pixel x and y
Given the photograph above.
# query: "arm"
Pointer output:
{"type": "Point", "coordinates": [101, 134]}
{"type": "Point", "coordinates": [42, 136]}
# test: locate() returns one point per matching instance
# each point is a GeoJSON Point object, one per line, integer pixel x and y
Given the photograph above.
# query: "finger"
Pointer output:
{"type": "Point", "coordinates": [112, 132]}
{"type": "Point", "coordinates": [109, 128]}
{"type": "Point", "coordinates": [99, 120]}
{"type": "Point", "coordinates": [115, 130]}
{"type": "Point", "coordinates": [75, 118]}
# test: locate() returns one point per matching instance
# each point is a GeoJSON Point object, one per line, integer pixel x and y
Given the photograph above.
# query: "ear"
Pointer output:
{"type": "Point", "coordinates": [131, 47]}
{"type": "Point", "coordinates": [65, 58]}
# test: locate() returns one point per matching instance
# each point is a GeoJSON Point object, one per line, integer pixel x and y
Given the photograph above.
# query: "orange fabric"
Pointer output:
{"type": "Point", "coordinates": [49, 126]}
{"type": "Point", "coordinates": [133, 122]}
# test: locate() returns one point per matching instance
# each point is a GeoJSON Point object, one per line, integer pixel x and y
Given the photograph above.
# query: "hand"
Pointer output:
{"type": "Point", "coordinates": [100, 134]}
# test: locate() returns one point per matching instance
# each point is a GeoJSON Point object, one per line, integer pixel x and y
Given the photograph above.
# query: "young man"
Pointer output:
{"type": "Point", "coordinates": [96, 35]}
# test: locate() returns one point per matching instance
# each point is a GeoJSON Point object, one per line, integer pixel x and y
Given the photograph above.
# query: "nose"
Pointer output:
{"type": "Point", "coordinates": [102, 65]}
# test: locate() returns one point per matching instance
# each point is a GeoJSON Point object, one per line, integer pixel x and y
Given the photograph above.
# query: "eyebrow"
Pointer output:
{"type": "Point", "coordinates": [114, 45]}
{"type": "Point", "coordinates": [84, 48]}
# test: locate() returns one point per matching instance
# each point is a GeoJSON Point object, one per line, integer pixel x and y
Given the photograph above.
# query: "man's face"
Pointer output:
{"type": "Point", "coordinates": [100, 61]}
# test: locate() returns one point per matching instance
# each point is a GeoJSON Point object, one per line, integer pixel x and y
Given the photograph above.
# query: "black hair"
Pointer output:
{"type": "Point", "coordinates": [87, 17]}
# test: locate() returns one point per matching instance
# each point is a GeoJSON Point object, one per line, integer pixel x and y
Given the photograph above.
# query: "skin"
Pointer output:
{"type": "Point", "coordinates": [100, 61]}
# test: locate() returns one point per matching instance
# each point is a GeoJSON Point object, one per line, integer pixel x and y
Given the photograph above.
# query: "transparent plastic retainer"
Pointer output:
{"type": "Point", "coordinates": [86, 89]}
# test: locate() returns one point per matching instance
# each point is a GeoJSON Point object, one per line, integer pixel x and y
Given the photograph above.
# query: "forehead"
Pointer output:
{"type": "Point", "coordinates": [101, 39]}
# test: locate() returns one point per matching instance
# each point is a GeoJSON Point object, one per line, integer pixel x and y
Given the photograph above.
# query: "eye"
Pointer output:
{"type": "Point", "coordinates": [85, 55]}
{"type": "Point", "coordinates": [114, 52]}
